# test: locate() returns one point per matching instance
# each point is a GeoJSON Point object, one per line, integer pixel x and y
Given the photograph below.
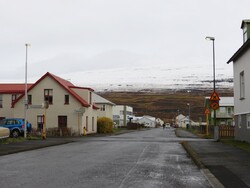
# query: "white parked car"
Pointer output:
{"type": "Point", "coordinates": [167, 125]}
{"type": "Point", "coordinates": [4, 132]}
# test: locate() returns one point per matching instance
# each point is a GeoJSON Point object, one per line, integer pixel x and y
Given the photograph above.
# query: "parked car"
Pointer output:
{"type": "Point", "coordinates": [167, 125]}
{"type": "Point", "coordinates": [4, 132]}
{"type": "Point", "coordinates": [15, 125]}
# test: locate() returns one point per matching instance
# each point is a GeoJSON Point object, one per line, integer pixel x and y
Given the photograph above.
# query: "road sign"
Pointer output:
{"type": "Point", "coordinates": [215, 105]}
{"type": "Point", "coordinates": [214, 97]}
{"type": "Point", "coordinates": [207, 111]}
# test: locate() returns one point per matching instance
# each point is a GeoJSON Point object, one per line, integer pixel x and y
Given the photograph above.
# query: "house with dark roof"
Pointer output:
{"type": "Point", "coordinates": [70, 107]}
{"type": "Point", "coordinates": [241, 69]}
{"type": "Point", "coordinates": [105, 106]}
{"type": "Point", "coordinates": [8, 94]}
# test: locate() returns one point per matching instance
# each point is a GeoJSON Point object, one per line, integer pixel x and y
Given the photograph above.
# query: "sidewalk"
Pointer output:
{"type": "Point", "coordinates": [16, 147]}
{"type": "Point", "coordinates": [229, 165]}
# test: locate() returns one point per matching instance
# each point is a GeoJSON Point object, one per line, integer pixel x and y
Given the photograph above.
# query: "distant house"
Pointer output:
{"type": "Point", "coordinates": [105, 106]}
{"type": "Point", "coordinates": [147, 121]}
{"type": "Point", "coordinates": [241, 68]}
{"type": "Point", "coordinates": [224, 114]}
{"type": "Point", "coordinates": [159, 121]}
{"type": "Point", "coordinates": [184, 121]}
{"type": "Point", "coordinates": [70, 107]}
{"type": "Point", "coordinates": [122, 114]}
{"type": "Point", "coordinates": [8, 94]}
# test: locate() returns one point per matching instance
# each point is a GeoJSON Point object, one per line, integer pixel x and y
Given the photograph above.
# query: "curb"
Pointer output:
{"type": "Point", "coordinates": [193, 155]}
{"type": "Point", "coordinates": [214, 182]}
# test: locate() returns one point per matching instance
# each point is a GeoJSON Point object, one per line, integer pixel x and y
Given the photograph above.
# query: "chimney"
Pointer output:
{"type": "Point", "coordinates": [245, 26]}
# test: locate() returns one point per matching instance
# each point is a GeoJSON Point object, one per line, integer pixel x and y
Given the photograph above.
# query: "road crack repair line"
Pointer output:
{"type": "Point", "coordinates": [133, 168]}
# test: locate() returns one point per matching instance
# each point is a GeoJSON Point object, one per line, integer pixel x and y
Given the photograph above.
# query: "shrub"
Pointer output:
{"type": "Point", "coordinates": [134, 126]}
{"type": "Point", "coordinates": [104, 125]}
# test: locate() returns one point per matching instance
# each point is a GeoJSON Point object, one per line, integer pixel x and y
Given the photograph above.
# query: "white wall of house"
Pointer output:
{"type": "Point", "coordinates": [242, 105]}
{"type": "Point", "coordinates": [242, 64]}
{"type": "Point", "coordinates": [105, 110]}
{"type": "Point", "coordinates": [5, 110]}
{"type": "Point", "coordinates": [148, 121]}
{"type": "Point", "coordinates": [75, 121]}
{"type": "Point", "coordinates": [121, 114]}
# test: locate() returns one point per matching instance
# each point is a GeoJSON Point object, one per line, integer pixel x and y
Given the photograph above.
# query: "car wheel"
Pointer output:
{"type": "Point", "coordinates": [15, 133]}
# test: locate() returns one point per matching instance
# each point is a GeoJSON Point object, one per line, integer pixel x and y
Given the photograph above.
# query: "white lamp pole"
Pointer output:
{"type": "Point", "coordinates": [213, 39]}
{"type": "Point", "coordinates": [26, 92]}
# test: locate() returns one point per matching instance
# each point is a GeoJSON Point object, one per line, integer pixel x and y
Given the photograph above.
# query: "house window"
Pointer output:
{"type": "Point", "coordinates": [93, 123]}
{"type": "Point", "coordinates": [103, 107]}
{"type": "Point", "coordinates": [242, 85]}
{"type": "Point", "coordinates": [48, 95]}
{"type": "Point", "coordinates": [90, 97]}
{"type": "Point", "coordinates": [223, 110]}
{"type": "Point", "coordinates": [1, 101]}
{"type": "Point", "coordinates": [87, 123]}
{"type": "Point", "coordinates": [40, 120]}
{"type": "Point", "coordinates": [13, 98]}
{"type": "Point", "coordinates": [29, 99]}
{"type": "Point", "coordinates": [66, 99]}
{"type": "Point", "coordinates": [229, 111]}
{"type": "Point", "coordinates": [248, 121]}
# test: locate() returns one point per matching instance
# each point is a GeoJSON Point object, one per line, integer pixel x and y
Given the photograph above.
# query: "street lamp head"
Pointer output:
{"type": "Point", "coordinates": [210, 38]}
{"type": "Point", "coordinates": [27, 44]}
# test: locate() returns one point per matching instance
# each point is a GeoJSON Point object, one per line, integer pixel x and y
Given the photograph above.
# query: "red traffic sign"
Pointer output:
{"type": "Point", "coordinates": [215, 105]}
{"type": "Point", "coordinates": [207, 111]}
{"type": "Point", "coordinates": [214, 97]}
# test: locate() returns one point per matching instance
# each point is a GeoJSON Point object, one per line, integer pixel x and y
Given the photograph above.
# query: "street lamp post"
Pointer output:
{"type": "Point", "coordinates": [26, 92]}
{"type": "Point", "coordinates": [189, 121]}
{"type": "Point", "coordinates": [213, 39]}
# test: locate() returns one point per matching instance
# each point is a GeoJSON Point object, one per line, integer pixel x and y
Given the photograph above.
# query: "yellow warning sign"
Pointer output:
{"type": "Point", "coordinates": [207, 111]}
{"type": "Point", "coordinates": [215, 105]}
{"type": "Point", "coordinates": [214, 97]}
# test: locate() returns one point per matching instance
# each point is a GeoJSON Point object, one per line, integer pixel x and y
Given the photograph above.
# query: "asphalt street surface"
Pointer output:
{"type": "Point", "coordinates": [153, 158]}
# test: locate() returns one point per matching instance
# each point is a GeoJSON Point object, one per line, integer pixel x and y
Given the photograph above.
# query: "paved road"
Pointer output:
{"type": "Point", "coordinates": [152, 158]}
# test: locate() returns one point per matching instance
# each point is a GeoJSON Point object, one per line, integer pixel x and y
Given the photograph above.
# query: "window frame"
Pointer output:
{"type": "Point", "coordinates": [29, 99]}
{"type": "Point", "coordinates": [1, 101]}
{"type": "Point", "coordinates": [242, 85]}
{"type": "Point", "coordinates": [66, 99]}
{"type": "Point", "coordinates": [93, 123]}
{"type": "Point", "coordinates": [48, 95]}
{"type": "Point", "coordinates": [248, 121]}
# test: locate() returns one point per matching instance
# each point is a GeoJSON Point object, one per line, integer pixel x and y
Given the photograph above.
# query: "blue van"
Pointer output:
{"type": "Point", "coordinates": [15, 125]}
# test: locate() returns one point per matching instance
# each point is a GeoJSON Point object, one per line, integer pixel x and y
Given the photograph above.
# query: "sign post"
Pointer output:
{"type": "Point", "coordinates": [207, 111]}
{"type": "Point", "coordinates": [214, 98]}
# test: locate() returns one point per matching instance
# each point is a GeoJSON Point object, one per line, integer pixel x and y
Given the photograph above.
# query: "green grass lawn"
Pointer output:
{"type": "Point", "coordinates": [19, 139]}
{"type": "Point", "coordinates": [239, 144]}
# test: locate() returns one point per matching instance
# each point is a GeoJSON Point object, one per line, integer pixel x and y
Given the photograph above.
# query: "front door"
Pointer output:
{"type": "Point", "coordinates": [62, 122]}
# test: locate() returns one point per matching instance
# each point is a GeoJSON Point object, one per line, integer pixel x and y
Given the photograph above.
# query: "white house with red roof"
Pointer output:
{"type": "Point", "coordinates": [8, 94]}
{"type": "Point", "coordinates": [70, 107]}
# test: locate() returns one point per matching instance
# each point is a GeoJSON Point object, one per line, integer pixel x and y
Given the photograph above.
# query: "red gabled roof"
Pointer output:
{"type": "Point", "coordinates": [64, 83]}
{"type": "Point", "coordinates": [13, 88]}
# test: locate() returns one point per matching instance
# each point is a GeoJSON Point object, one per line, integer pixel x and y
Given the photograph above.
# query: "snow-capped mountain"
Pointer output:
{"type": "Point", "coordinates": [153, 77]}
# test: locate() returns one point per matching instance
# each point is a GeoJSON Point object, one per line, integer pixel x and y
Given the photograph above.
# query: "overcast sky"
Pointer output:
{"type": "Point", "coordinates": [78, 35]}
